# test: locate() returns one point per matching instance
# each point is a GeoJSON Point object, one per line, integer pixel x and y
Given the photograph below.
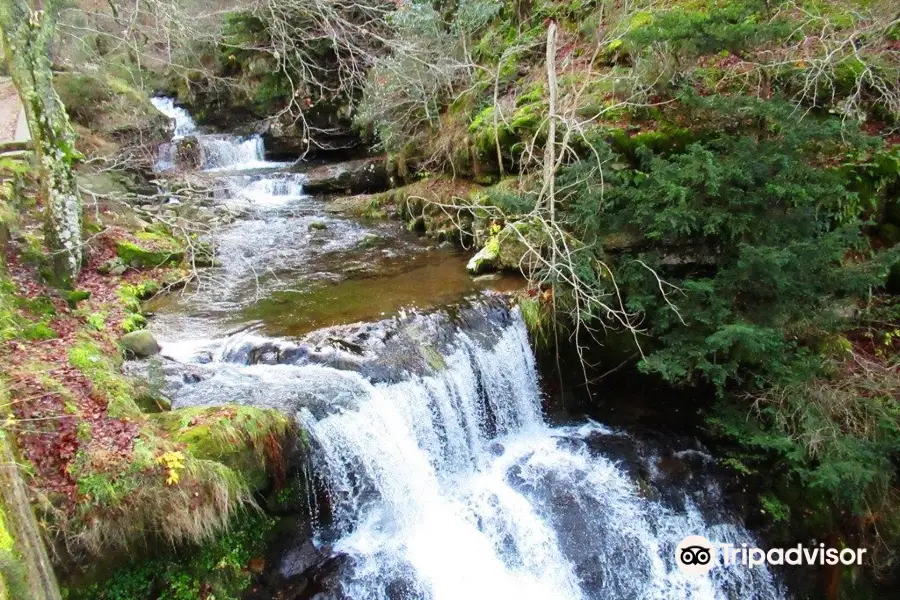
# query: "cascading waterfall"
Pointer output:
{"type": "Point", "coordinates": [228, 152]}
{"type": "Point", "coordinates": [443, 479]}
{"type": "Point", "coordinates": [184, 124]}
{"type": "Point", "coordinates": [451, 486]}
{"type": "Point", "coordinates": [448, 483]}
{"type": "Point", "coordinates": [217, 152]}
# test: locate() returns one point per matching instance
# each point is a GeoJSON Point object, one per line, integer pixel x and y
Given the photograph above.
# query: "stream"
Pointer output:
{"type": "Point", "coordinates": [434, 472]}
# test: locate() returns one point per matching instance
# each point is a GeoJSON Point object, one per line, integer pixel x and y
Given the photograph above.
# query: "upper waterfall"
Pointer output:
{"type": "Point", "coordinates": [183, 122]}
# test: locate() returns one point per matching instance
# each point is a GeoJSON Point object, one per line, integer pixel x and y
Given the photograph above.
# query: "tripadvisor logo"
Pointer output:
{"type": "Point", "coordinates": [696, 555]}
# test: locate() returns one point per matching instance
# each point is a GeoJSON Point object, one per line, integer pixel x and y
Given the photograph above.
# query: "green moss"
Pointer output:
{"type": "Point", "coordinates": [105, 375]}
{"type": "Point", "coordinates": [13, 578]}
{"type": "Point", "coordinates": [241, 437]}
{"type": "Point", "coordinates": [23, 318]}
{"type": "Point", "coordinates": [149, 251]}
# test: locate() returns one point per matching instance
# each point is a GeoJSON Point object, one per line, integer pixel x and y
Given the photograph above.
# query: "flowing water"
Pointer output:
{"type": "Point", "coordinates": [441, 478]}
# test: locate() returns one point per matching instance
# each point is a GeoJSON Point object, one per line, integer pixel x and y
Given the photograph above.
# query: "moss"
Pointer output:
{"type": "Point", "coordinates": [24, 318]}
{"type": "Point", "coordinates": [13, 576]}
{"type": "Point", "coordinates": [104, 373]}
{"type": "Point", "coordinates": [149, 251]}
{"type": "Point", "coordinates": [245, 438]}
{"type": "Point", "coordinates": [131, 296]}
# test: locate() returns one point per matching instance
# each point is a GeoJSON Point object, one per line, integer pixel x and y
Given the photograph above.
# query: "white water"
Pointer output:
{"type": "Point", "coordinates": [452, 487]}
{"type": "Point", "coordinates": [184, 124]}
{"type": "Point", "coordinates": [217, 152]}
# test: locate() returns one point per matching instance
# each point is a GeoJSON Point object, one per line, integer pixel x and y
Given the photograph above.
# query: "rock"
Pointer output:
{"type": "Point", "coordinates": [486, 258]}
{"type": "Point", "coordinates": [510, 249]}
{"type": "Point", "coordinates": [187, 153]}
{"type": "Point", "coordinates": [140, 343]}
{"type": "Point", "coordinates": [75, 296]}
{"type": "Point", "coordinates": [370, 240]}
{"type": "Point", "coordinates": [488, 277]}
{"type": "Point", "coordinates": [367, 175]}
{"type": "Point", "coordinates": [113, 263]}
{"type": "Point", "coordinates": [118, 270]}
{"type": "Point", "coordinates": [317, 226]}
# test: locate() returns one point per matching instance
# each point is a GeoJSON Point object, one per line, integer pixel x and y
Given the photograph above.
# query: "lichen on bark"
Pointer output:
{"type": "Point", "coordinates": [26, 34]}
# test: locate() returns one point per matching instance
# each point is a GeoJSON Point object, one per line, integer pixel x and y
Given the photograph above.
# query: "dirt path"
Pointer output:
{"type": "Point", "coordinates": [10, 107]}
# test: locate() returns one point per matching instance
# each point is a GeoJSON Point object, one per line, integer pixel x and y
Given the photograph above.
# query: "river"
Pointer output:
{"type": "Point", "coordinates": [439, 475]}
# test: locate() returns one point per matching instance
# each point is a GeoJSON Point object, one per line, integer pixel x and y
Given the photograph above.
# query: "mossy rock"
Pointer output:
{"type": "Point", "coordinates": [485, 260]}
{"type": "Point", "coordinates": [140, 343]}
{"type": "Point", "coordinates": [148, 251]}
{"type": "Point", "coordinates": [245, 438]}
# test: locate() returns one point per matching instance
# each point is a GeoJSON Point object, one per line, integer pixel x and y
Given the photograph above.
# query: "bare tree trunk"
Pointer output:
{"type": "Point", "coordinates": [549, 191]}
{"type": "Point", "coordinates": [26, 35]}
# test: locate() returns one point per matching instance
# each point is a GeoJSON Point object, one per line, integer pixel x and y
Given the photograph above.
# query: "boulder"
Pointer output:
{"type": "Point", "coordinates": [511, 249]}
{"type": "Point", "coordinates": [367, 175]}
{"type": "Point", "coordinates": [140, 343]}
{"type": "Point", "coordinates": [187, 153]}
{"type": "Point", "coordinates": [485, 259]}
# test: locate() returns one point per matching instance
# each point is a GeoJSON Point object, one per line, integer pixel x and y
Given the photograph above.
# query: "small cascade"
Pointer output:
{"type": "Point", "coordinates": [184, 124]}
{"type": "Point", "coordinates": [224, 152]}
{"type": "Point", "coordinates": [263, 191]}
{"type": "Point", "coordinates": [218, 152]}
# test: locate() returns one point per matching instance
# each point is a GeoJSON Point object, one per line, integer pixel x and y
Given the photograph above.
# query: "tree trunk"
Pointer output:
{"type": "Point", "coordinates": [26, 35]}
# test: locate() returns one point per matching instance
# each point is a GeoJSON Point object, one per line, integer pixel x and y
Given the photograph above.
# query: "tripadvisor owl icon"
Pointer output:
{"type": "Point", "coordinates": [695, 555]}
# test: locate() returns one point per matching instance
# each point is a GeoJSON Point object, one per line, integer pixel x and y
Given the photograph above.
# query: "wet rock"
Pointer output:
{"type": "Point", "coordinates": [370, 240]}
{"type": "Point", "coordinates": [367, 175]}
{"type": "Point", "coordinates": [140, 343]}
{"type": "Point", "coordinates": [317, 226]}
{"type": "Point", "coordinates": [188, 154]}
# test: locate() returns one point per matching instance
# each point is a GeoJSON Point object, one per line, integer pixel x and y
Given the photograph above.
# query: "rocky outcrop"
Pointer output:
{"type": "Point", "coordinates": [367, 175]}
{"type": "Point", "coordinates": [148, 251]}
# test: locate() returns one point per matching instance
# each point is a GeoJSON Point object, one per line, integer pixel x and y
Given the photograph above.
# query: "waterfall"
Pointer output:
{"type": "Point", "coordinates": [451, 486]}
{"type": "Point", "coordinates": [263, 190]}
{"type": "Point", "coordinates": [217, 152]}
{"type": "Point", "coordinates": [230, 152]}
{"type": "Point", "coordinates": [184, 124]}
{"type": "Point", "coordinates": [448, 483]}
{"type": "Point", "coordinates": [440, 477]}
